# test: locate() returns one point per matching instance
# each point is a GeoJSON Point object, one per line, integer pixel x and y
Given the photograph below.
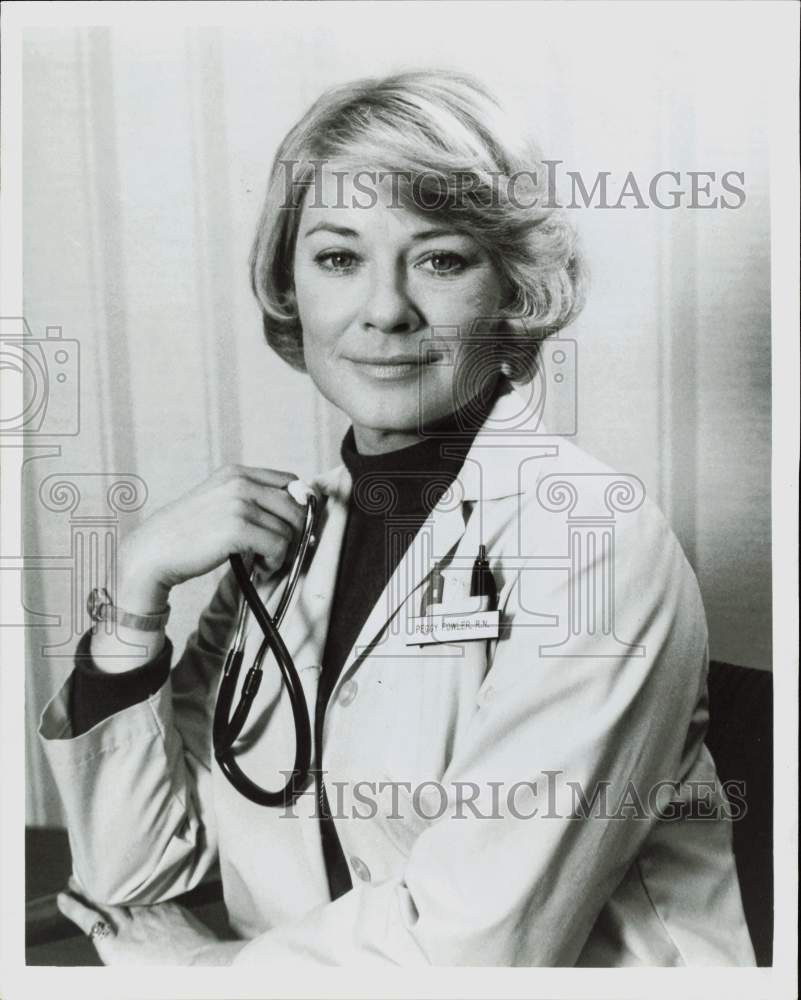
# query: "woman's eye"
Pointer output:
{"type": "Point", "coordinates": [336, 260]}
{"type": "Point", "coordinates": [445, 263]}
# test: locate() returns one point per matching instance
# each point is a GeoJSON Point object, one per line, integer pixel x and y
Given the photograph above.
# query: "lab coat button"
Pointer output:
{"type": "Point", "coordinates": [360, 869]}
{"type": "Point", "coordinates": [347, 692]}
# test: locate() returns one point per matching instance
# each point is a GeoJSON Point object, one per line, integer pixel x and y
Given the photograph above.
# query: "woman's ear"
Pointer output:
{"type": "Point", "coordinates": [504, 333]}
{"type": "Point", "coordinates": [517, 349]}
{"type": "Point", "coordinates": [290, 300]}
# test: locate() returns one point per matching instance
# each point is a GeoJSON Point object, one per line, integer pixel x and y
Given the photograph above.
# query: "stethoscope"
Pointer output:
{"type": "Point", "coordinates": [226, 729]}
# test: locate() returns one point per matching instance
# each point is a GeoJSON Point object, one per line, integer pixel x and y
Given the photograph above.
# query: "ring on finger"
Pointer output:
{"type": "Point", "coordinates": [100, 929]}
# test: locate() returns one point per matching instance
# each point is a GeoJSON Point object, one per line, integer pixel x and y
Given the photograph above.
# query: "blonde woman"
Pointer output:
{"type": "Point", "coordinates": [520, 789]}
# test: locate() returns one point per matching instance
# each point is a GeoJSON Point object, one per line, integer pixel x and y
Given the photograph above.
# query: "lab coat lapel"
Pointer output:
{"type": "Point", "coordinates": [483, 476]}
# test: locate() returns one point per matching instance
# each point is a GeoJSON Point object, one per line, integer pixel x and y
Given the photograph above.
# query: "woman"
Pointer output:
{"type": "Point", "coordinates": [520, 792]}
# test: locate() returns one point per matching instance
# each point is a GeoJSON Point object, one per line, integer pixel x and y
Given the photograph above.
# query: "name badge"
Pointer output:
{"type": "Point", "coordinates": [462, 623]}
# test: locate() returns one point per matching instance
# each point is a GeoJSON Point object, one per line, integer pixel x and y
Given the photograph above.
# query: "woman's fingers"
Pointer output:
{"type": "Point", "coordinates": [253, 537]}
{"type": "Point", "coordinates": [81, 914]}
{"type": "Point", "coordinates": [238, 509]}
{"type": "Point", "coordinates": [276, 502]}
{"type": "Point", "coordinates": [264, 477]}
{"type": "Point", "coordinates": [270, 522]}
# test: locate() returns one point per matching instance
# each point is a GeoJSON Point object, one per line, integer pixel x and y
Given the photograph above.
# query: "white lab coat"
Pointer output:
{"type": "Point", "coordinates": [559, 698]}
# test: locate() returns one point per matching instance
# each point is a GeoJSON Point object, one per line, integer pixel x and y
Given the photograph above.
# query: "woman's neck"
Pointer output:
{"type": "Point", "coordinates": [370, 441]}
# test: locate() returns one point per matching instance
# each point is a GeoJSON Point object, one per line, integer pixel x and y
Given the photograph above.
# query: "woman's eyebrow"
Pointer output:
{"type": "Point", "coordinates": [432, 234]}
{"type": "Point", "coordinates": [330, 228]}
{"type": "Point", "coordinates": [424, 234]}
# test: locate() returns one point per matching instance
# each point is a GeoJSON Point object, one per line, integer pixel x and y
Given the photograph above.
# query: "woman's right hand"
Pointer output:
{"type": "Point", "coordinates": [238, 509]}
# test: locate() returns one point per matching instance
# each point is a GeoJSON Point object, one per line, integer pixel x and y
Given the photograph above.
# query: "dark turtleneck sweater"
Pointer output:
{"type": "Point", "coordinates": [393, 494]}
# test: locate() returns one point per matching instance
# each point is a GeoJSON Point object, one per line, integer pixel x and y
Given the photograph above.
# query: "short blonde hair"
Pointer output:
{"type": "Point", "coordinates": [447, 132]}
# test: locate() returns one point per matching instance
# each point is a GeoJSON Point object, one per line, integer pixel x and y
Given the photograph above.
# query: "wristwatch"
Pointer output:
{"type": "Point", "coordinates": [101, 608]}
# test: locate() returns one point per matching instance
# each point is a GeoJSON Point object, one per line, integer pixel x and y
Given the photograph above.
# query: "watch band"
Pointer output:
{"type": "Point", "coordinates": [101, 608]}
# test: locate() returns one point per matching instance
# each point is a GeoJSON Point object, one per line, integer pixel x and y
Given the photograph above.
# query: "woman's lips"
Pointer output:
{"type": "Point", "coordinates": [389, 369]}
{"type": "Point", "coordinates": [388, 372]}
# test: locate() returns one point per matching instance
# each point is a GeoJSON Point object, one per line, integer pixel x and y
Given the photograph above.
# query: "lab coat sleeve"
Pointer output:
{"type": "Point", "coordinates": [136, 786]}
{"type": "Point", "coordinates": [523, 889]}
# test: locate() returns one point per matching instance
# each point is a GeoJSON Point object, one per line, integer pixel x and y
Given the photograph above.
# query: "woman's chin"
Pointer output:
{"type": "Point", "coordinates": [388, 406]}
{"type": "Point", "coordinates": [380, 419]}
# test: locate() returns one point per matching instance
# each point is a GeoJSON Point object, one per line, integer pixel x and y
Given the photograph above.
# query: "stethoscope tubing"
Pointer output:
{"type": "Point", "coordinates": [226, 729]}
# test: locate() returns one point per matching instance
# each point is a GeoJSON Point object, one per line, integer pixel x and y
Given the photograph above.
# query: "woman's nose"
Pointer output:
{"type": "Point", "coordinates": [389, 308]}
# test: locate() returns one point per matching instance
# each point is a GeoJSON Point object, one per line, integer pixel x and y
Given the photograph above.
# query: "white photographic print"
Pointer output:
{"type": "Point", "coordinates": [399, 457]}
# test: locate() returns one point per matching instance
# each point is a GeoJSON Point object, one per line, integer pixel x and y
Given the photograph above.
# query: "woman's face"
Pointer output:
{"type": "Point", "coordinates": [373, 285]}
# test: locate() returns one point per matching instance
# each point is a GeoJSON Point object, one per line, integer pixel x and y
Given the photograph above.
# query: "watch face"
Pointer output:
{"type": "Point", "coordinates": [97, 601]}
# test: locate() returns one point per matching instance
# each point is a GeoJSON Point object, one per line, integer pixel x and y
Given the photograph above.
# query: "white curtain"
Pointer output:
{"type": "Point", "coordinates": [145, 161]}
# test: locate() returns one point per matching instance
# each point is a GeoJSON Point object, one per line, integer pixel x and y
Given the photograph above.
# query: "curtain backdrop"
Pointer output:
{"type": "Point", "coordinates": [145, 159]}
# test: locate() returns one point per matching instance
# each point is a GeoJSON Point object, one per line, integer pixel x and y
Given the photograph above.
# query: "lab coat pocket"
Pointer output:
{"type": "Point", "coordinates": [502, 670]}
